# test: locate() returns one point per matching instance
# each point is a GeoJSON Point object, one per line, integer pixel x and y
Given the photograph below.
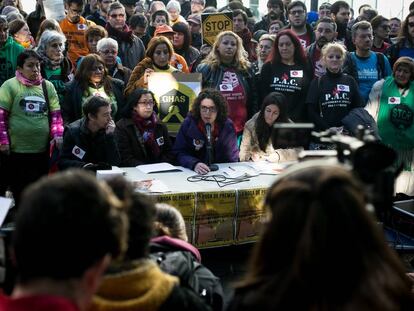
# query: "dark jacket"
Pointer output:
{"type": "Point", "coordinates": [121, 73]}
{"type": "Point", "coordinates": [97, 18]}
{"type": "Point", "coordinates": [72, 106]}
{"type": "Point", "coordinates": [190, 144]}
{"type": "Point", "coordinates": [81, 147]}
{"type": "Point", "coordinates": [190, 55]}
{"type": "Point", "coordinates": [212, 79]}
{"type": "Point", "coordinates": [131, 144]}
{"type": "Point", "coordinates": [393, 52]}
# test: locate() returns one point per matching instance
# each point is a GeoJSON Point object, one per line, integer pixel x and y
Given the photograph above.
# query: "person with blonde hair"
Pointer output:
{"type": "Point", "coordinates": [332, 96]}
{"type": "Point", "coordinates": [227, 69]}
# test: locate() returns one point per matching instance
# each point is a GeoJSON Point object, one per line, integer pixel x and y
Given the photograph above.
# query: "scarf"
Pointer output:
{"type": "Point", "coordinates": [202, 128]}
{"type": "Point", "coordinates": [124, 35]}
{"type": "Point", "coordinates": [49, 63]}
{"type": "Point", "coordinates": [27, 82]}
{"type": "Point", "coordinates": [147, 130]}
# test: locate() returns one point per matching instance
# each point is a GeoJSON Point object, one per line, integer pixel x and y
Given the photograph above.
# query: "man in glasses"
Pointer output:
{"type": "Point", "coordinates": [99, 16]}
{"type": "Point", "coordinates": [324, 10]}
{"type": "Point", "coordinates": [405, 44]}
{"type": "Point", "coordinates": [74, 27]}
{"type": "Point", "coordinates": [131, 49]}
{"type": "Point", "coordinates": [297, 23]}
{"type": "Point", "coordinates": [275, 11]}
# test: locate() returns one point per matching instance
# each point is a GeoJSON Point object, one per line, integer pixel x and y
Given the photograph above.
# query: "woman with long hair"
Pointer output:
{"type": "Point", "coordinates": [55, 66]}
{"type": "Point", "coordinates": [92, 78]}
{"type": "Point", "coordinates": [157, 59]}
{"type": "Point", "coordinates": [287, 72]}
{"type": "Point", "coordinates": [257, 144]}
{"type": "Point", "coordinates": [182, 44]}
{"type": "Point", "coordinates": [141, 137]}
{"type": "Point", "coordinates": [190, 145]}
{"type": "Point", "coordinates": [227, 69]}
{"type": "Point", "coordinates": [321, 249]}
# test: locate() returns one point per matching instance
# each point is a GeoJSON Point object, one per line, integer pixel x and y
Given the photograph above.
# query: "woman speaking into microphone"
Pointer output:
{"type": "Point", "coordinates": [206, 126]}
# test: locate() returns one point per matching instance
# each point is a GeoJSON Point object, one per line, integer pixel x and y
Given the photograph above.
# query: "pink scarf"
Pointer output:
{"type": "Point", "coordinates": [28, 82]}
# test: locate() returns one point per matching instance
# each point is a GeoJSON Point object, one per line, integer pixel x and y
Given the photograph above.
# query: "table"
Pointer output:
{"type": "Point", "coordinates": [215, 216]}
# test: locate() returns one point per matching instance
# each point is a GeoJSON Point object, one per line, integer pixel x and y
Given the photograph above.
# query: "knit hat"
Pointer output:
{"type": "Point", "coordinates": [163, 29]}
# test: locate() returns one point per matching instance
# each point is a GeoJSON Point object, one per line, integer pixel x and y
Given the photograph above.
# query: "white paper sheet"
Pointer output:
{"type": "Point", "coordinates": [158, 168]}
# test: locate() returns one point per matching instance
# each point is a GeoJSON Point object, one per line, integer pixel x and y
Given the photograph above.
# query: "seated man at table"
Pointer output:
{"type": "Point", "coordinates": [89, 142]}
{"type": "Point", "coordinates": [67, 230]}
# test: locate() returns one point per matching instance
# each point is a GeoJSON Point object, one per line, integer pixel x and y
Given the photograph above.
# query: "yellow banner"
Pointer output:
{"type": "Point", "coordinates": [250, 215]}
{"type": "Point", "coordinates": [185, 203]}
{"type": "Point", "coordinates": [214, 218]}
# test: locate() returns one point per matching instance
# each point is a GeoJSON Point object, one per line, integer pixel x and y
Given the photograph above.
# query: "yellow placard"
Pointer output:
{"type": "Point", "coordinates": [213, 24]}
{"type": "Point", "coordinates": [215, 214]}
{"type": "Point", "coordinates": [250, 214]}
{"type": "Point", "coordinates": [185, 203]}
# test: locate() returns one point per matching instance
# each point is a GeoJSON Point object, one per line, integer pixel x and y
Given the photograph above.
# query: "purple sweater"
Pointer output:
{"type": "Point", "coordinates": [190, 144]}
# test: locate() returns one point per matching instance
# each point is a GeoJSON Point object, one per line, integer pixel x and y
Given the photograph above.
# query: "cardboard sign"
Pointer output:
{"type": "Point", "coordinates": [174, 94]}
{"type": "Point", "coordinates": [213, 24]}
{"type": "Point", "coordinates": [215, 218]}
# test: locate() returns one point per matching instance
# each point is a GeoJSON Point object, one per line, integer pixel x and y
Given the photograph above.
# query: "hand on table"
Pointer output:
{"type": "Point", "coordinates": [201, 168]}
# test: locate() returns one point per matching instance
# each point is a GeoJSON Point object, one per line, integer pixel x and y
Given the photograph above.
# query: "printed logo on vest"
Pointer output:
{"type": "Point", "coordinates": [401, 117]}
{"type": "Point", "coordinates": [78, 152]}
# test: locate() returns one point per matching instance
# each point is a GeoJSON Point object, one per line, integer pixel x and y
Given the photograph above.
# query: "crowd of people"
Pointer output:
{"type": "Point", "coordinates": [74, 94]}
{"type": "Point", "coordinates": [89, 73]}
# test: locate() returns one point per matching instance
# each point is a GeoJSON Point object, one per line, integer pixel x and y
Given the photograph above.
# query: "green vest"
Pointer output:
{"type": "Point", "coordinates": [396, 118]}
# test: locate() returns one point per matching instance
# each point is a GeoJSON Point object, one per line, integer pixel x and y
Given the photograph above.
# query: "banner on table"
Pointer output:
{"type": "Point", "coordinates": [250, 214]}
{"type": "Point", "coordinates": [174, 93]}
{"type": "Point", "coordinates": [215, 214]}
{"type": "Point", "coordinates": [185, 203]}
{"type": "Point", "coordinates": [213, 24]}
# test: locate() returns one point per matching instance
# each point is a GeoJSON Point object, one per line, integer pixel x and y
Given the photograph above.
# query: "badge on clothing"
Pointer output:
{"type": "Point", "coordinates": [198, 144]}
{"type": "Point", "coordinates": [160, 141]}
{"type": "Point", "coordinates": [78, 152]}
{"type": "Point", "coordinates": [226, 87]}
{"type": "Point", "coordinates": [343, 87]}
{"type": "Point", "coordinates": [296, 73]}
{"type": "Point", "coordinates": [394, 100]}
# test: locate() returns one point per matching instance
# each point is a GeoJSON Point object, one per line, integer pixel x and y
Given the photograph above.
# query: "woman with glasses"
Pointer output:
{"type": "Point", "coordinates": [227, 69]}
{"type": "Point", "coordinates": [157, 59]}
{"type": "Point", "coordinates": [332, 96]}
{"type": "Point", "coordinates": [287, 72]}
{"type": "Point", "coordinates": [55, 66]}
{"type": "Point", "coordinates": [92, 78]}
{"type": "Point", "coordinates": [141, 137]}
{"type": "Point", "coordinates": [192, 140]}
{"type": "Point", "coordinates": [381, 30]}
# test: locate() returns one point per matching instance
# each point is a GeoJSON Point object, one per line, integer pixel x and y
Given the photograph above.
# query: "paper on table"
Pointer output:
{"type": "Point", "coordinates": [236, 171]}
{"type": "Point", "coordinates": [265, 167]}
{"type": "Point", "coordinates": [5, 204]}
{"type": "Point", "coordinates": [150, 185]}
{"type": "Point", "coordinates": [158, 168]}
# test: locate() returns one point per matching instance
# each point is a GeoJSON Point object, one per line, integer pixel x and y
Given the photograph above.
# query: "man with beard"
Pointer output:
{"type": "Point", "coordinates": [99, 16]}
{"type": "Point", "coordinates": [275, 11]}
{"type": "Point", "coordinates": [325, 32]}
{"type": "Point", "coordinates": [297, 23]}
{"type": "Point", "coordinates": [131, 49]}
{"type": "Point", "coordinates": [340, 13]}
{"type": "Point", "coordinates": [74, 27]}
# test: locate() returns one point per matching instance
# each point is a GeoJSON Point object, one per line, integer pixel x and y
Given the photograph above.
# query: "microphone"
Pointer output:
{"type": "Point", "coordinates": [213, 167]}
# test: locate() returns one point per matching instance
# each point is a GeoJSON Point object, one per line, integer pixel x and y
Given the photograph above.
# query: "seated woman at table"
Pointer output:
{"type": "Point", "coordinates": [257, 144]}
{"type": "Point", "coordinates": [140, 135]}
{"type": "Point", "coordinates": [190, 146]}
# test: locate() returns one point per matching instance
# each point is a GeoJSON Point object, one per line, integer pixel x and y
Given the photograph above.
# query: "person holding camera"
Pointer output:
{"type": "Point", "coordinates": [89, 142]}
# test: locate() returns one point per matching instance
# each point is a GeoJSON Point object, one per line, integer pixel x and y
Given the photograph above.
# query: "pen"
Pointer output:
{"type": "Point", "coordinates": [232, 169]}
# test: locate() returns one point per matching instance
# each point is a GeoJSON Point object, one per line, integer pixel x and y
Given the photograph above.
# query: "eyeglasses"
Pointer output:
{"type": "Point", "coordinates": [411, 24]}
{"type": "Point", "coordinates": [205, 109]}
{"type": "Point", "coordinates": [297, 12]}
{"type": "Point", "coordinates": [107, 2]}
{"type": "Point", "coordinates": [107, 52]}
{"type": "Point", "coordinates": [117, 15]}
{"type": "Point", "coordinates": [149, 103]}
{"type": "Point", "coordinates": [98, 68]}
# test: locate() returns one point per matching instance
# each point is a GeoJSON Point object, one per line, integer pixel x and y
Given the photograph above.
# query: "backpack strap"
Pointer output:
{"type": "Point", "coordinates": [45, 93]}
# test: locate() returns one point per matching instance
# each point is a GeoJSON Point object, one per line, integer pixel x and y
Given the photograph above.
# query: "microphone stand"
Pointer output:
{"type": "Point", "coordinates": [213, 167]}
